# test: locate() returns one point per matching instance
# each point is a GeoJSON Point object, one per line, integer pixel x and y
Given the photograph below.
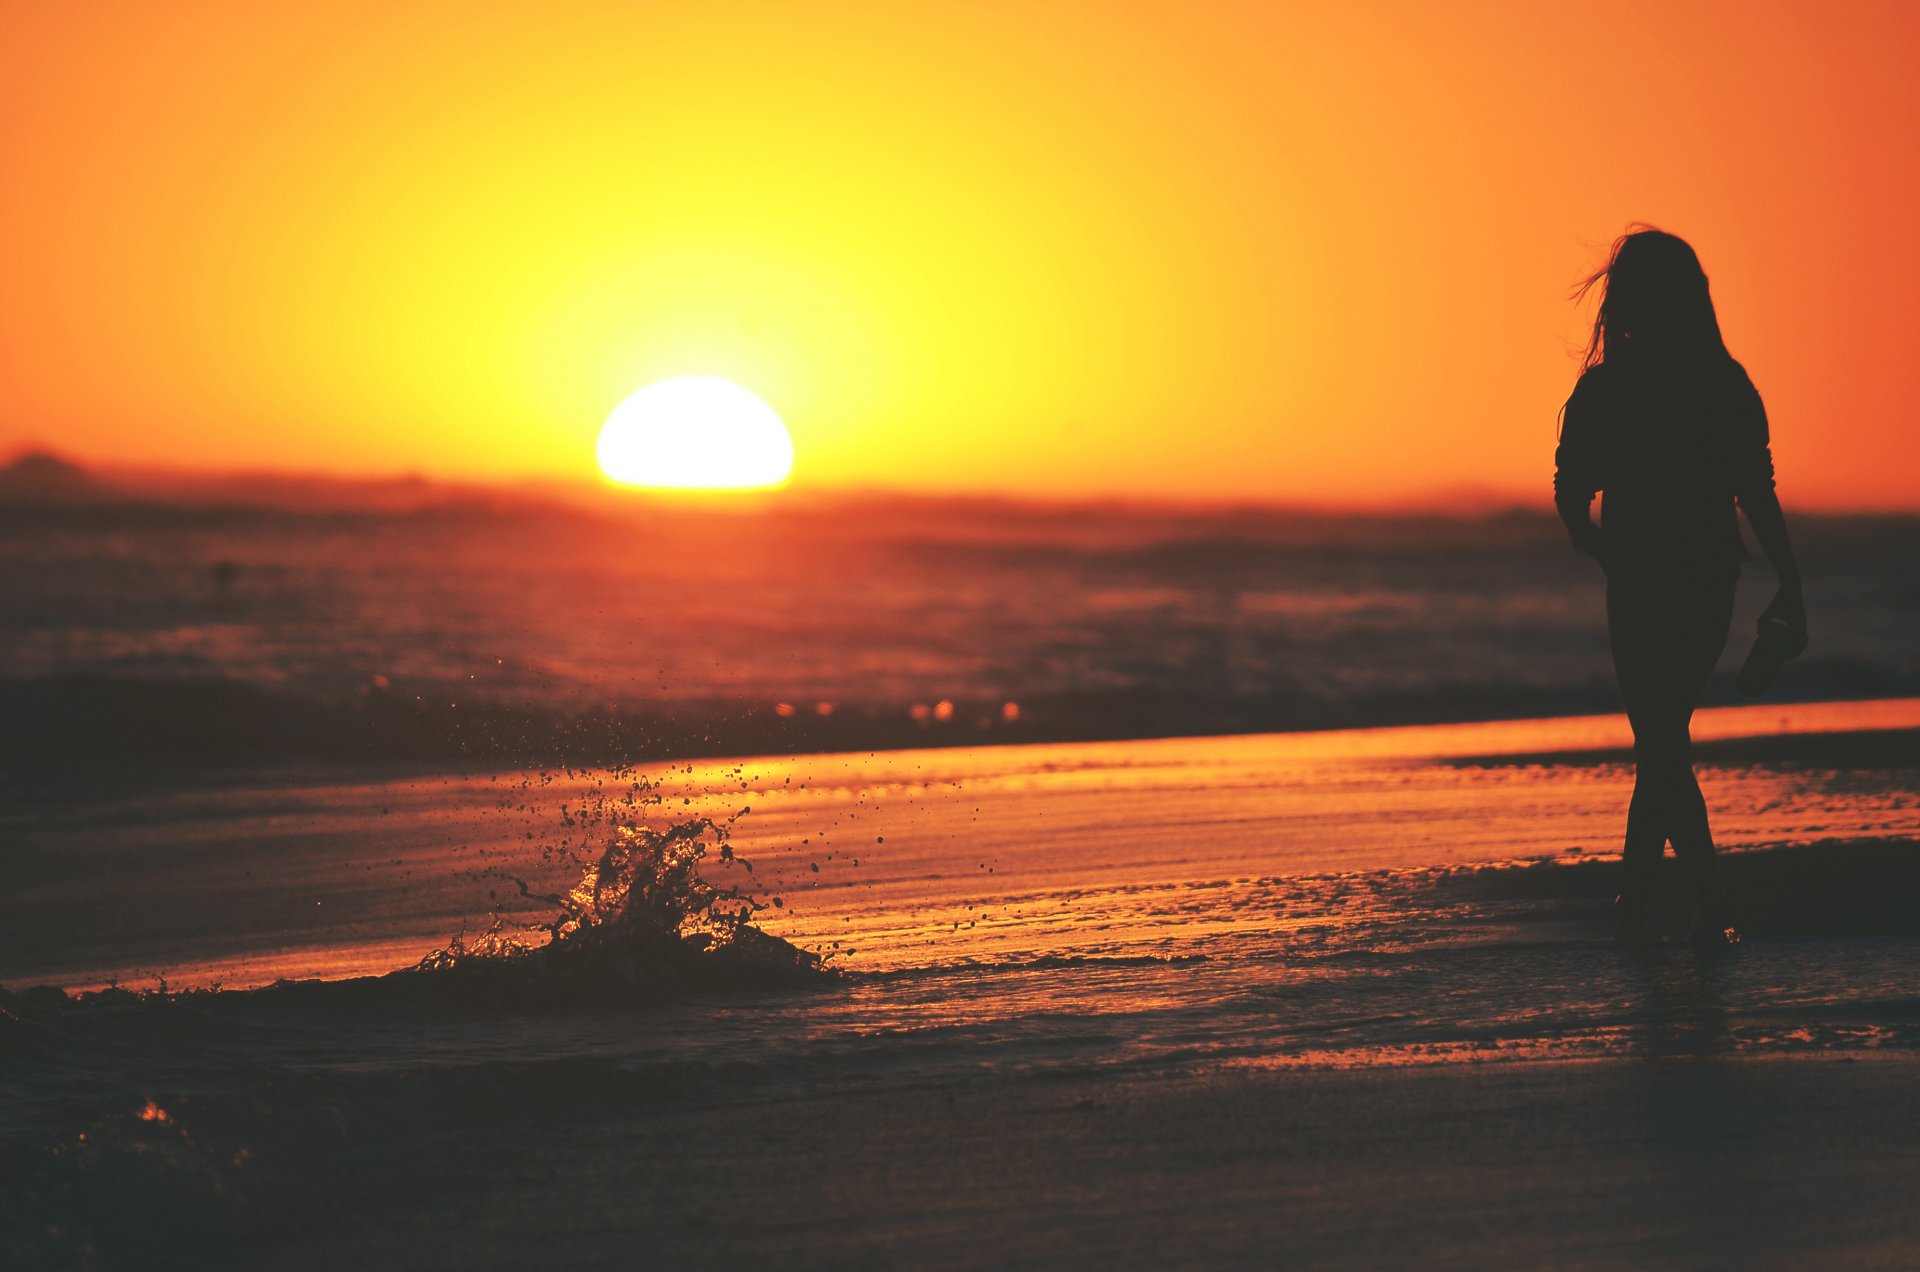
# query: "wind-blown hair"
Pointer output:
{"type": "Point", "coordinates": [1653, 301]}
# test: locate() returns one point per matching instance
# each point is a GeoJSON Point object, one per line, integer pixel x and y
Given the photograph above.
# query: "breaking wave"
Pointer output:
{"type": "Point", "coordinates": [642, 915]}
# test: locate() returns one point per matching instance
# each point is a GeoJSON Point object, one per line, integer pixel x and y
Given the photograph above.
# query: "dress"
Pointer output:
{"type": "Point", "coordinates": [1671, 453]}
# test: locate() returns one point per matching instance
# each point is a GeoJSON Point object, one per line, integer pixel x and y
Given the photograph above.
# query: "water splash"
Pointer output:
{"type": "Point", "coordinates": [642, 915]}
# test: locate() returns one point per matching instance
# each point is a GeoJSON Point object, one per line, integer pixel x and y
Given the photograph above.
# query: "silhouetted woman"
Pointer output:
{"type": "Point", "coordinates": [1669, 427]}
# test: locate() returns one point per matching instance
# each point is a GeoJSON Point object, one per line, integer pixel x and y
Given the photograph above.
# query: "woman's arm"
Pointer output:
{"type": "Point", "coordinates": [1753, 486]}
{"type": "Point", "coordinates": [1574, 479]}
{"type": "Point", "coordinates": [1770, 528]}
{"type": "Point", "coordinates": [1576, 513]}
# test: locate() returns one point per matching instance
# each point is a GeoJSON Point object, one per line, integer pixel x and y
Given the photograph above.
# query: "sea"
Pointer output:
{"type": "Point", "coordinates": [406, 622]}
{"type": "Point", "coordinates": [371, 854]}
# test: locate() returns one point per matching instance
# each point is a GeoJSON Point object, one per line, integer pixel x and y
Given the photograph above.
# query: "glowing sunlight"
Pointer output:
{"type": "Point", "coordinates": [696, 432]}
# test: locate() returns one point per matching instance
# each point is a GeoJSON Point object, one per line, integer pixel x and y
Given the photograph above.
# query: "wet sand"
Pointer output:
{"type": "Point", "coordinates": [1637, 1163]}
{"type": "Point", "coordinates": [1615, 1164]}
{"type": "Point", "coordinates": [906, 857]}
{"type": "Point", "coordinates": [1337, 1000]}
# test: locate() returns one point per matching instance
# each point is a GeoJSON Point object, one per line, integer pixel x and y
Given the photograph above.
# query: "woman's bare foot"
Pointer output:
{"type": "Point", "coordinates": [1713, 925]}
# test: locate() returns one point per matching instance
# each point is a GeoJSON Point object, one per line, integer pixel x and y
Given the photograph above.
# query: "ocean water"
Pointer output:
{"type": "Point", "coordinates": [519, 630]}
{"type": "Point", "coordinates": [368, 863]}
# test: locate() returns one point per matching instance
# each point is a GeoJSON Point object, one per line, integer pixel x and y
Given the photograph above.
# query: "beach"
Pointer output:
{"type": "Point", "coordinates": [1339, 998]}
{"type": "Point", "coordinates": [1682, 1163]}
{"type": "Point", "coordinates": [952, 636]}
{"type": "Point", "coordinates": [1605, 1164]}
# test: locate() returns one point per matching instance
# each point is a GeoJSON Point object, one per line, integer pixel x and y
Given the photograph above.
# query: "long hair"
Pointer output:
{"type": "Point", "coordinates": [1654, 302]}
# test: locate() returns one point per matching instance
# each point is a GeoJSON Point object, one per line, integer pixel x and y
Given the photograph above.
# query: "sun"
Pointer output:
{"type": "Point", "coordinates": [697, 432]}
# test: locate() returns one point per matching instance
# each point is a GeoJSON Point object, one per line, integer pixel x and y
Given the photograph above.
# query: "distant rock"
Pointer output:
{"type": "Point", "coordinates": [43, 477]}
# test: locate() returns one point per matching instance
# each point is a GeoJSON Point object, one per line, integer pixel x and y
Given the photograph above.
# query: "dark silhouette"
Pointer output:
{"type": "Point", "coordinates": [1666, 426]}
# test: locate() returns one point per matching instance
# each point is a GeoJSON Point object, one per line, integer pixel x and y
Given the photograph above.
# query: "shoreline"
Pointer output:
{"type": "Point", "coordinates": [1881, 722]}
{"type": "Point", "coordinates": [94, 722]}
{"type": "Point", "coordinates": [315, 871]}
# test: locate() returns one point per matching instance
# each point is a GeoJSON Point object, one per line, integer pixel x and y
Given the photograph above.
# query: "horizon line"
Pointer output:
{"type": "Point", "coordinates": [1456, 500]}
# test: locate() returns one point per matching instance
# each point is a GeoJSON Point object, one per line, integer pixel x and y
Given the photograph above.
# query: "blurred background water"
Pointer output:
{"type": "Point", "coordinates": [434, 623]}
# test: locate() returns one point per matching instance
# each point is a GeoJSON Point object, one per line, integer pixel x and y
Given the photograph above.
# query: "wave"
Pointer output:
{"type": "Point", "coordinates": [446, 636]}
{"type": "Point", "coordinates": [642, 915]}
{"type": "Point", "coordinates": [644, 926]}
{"type": "Point", "coordinates": [643, 922]}
{"type": "Point", "coordinates": [77, 720]}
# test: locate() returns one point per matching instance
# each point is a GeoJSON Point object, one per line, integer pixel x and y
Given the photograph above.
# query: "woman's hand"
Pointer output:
{"type": "Point", "coordinates": [1591, 542]}
{"type": "Point", "coordinates": [1789, 607]}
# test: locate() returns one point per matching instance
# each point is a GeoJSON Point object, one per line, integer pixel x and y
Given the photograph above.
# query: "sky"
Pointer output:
{"type": "Point", "coordinates": [1266, 252]}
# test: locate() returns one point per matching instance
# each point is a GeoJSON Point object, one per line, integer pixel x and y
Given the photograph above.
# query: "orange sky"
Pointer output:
{"type": "Point", "coordinates": [1284, 251]}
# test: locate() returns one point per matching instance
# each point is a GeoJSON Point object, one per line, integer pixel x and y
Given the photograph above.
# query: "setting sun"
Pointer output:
{"type": "Point", "coordinates": [696, 432]}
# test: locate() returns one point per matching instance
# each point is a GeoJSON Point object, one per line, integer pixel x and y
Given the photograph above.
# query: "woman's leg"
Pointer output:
{"type": "Point", "coordinates": [1632, 631]}
{"type": "Point", "coordinates": [1666, 637]}
{"type": "Point", "coordinates": [1698, 648]}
